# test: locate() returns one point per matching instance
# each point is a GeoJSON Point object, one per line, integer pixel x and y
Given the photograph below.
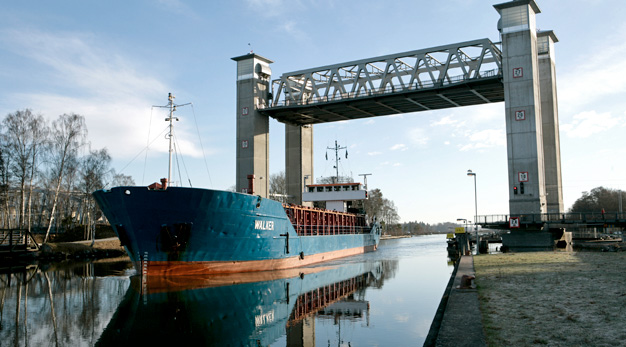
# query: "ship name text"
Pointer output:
{"type": "Point", "coordinates": [264, 225]}
{"type": "Point", "coordinates": [264, 318]}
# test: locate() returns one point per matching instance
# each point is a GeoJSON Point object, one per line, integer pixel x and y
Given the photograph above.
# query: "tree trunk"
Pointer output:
{"type": "Point", "coordinates": [30, 199]}
{"type": "Point", "coordinates": [54, 206]}
{"type": "Point", "coordinates": [20, 220]}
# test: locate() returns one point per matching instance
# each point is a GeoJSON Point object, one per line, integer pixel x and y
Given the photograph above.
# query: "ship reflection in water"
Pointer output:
{"type": "Point", "coordinates": [252, 309]}
{"type": "Point", "coordinates": [388, 297]}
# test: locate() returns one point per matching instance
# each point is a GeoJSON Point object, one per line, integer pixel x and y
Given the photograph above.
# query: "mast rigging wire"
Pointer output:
{"type": "Point", "coordinates": [145, 159]}
{"type": "Point", "coordinates": [138, 154]}
{"type": "Point", "coordinates": [201, 146]}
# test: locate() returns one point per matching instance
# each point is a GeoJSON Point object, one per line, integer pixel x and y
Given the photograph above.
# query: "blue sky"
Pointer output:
{"type": "Point", "coordinates": [111, 61]}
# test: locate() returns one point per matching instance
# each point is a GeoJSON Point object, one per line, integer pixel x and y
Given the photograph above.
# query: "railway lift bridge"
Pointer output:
{"type": "Point", "coordinates": [519, 71]}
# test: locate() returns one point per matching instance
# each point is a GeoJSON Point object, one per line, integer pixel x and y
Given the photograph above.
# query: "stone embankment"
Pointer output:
{"type": "Point", "coordinates": [102, 248]}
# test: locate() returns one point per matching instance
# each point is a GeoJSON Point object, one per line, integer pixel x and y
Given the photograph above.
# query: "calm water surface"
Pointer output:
{"type": "Point", "coordinates": [384, 298]}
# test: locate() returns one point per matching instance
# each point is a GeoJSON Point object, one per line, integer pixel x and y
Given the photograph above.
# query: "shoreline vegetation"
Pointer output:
{"type": "Point", "coordinates": [390, 237]}
{"type": "Point", "coordinates": [552, 298]}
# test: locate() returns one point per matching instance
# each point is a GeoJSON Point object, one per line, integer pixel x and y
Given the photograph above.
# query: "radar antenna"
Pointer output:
{"type": "Point", "coordinates": [337, 148]}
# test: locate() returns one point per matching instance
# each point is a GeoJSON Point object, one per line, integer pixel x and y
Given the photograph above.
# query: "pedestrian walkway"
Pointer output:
{"type": "Point", "coordinates": [461, 324]}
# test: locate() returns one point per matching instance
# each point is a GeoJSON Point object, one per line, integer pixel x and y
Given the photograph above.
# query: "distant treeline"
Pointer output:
{"type": "Point", "coordinates": [47, 173]}
{"type": "Point", "coordinates": [420, 228]}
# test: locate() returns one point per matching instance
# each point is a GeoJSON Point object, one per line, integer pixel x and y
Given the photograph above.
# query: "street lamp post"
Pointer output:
{"type": "Point", "coordinates": [470, 173]}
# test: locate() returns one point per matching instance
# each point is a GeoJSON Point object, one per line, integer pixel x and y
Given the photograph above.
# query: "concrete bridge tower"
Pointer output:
{"type": "Point", "coordinates": [298, 161]}
{"type": "Point", "coordinates": [253, 95]}
{"type": "Point", "coordinates": [550, 121]}
{"type": "Point", "coordinates": [532, 150]}
{"type": "Point", "coordinates": [253, 87]}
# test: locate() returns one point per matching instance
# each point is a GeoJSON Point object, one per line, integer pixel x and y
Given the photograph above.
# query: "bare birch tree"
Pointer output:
{"type": "Point", "coordinates": [39, 130]}
{"type": "Point", "coordinates": [278, 187]}
{"type": "Point", "coordinates": [25, 136]}
{"type": "Point", "coordinates": [94, 171]}
{"type": "Point", "coordinates": [4, 187]}
{"type": "Point", "coordinates": [120, 179]}
{"type": "Point", "coordinates": [17, 140]}
{"type": "Point", "coordinates": [68, 134]}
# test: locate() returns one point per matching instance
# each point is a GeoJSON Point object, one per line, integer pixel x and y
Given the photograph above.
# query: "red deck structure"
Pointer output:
{"type": "Point", "coordinates": [311, 221]}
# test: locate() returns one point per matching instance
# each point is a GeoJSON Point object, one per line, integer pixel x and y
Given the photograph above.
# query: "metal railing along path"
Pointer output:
{"type": "Point", "coordinates": [615, 218]}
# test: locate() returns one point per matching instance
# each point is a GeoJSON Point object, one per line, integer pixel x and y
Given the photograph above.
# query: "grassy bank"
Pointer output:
{"type": "Point", "coordinates": [553, 298]}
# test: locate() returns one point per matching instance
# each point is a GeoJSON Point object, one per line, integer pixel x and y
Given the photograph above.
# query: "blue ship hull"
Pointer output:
{"type": "Point", "coordinates": [181, 231]}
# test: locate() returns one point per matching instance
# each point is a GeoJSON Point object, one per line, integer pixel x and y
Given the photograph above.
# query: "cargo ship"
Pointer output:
{"type": "Point", "coordinates": [169, 230]}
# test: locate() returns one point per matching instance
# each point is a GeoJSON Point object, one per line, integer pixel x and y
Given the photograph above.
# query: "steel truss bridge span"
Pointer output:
{"type": "Point", "coordinates": [461, 74]}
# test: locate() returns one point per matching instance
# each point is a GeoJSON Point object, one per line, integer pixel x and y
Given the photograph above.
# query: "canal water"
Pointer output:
{"type": "Point", "coordinates": [384, 298]}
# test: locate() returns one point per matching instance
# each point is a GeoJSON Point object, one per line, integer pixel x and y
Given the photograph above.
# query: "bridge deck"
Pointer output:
{"type": "Point", "coordinates": [459, 74]}
{"type": "Point", "coordinates": [393, 101]}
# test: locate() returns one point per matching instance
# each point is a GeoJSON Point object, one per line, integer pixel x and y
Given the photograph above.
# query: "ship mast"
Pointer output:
{"type": "Point", "coordinates": [172, 108]}
{"type": "Point", "coordinates": [336, 167]}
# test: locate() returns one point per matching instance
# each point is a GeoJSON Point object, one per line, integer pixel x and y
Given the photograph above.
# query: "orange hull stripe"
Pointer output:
{"type": "Point", "coordinates": [183, 268]}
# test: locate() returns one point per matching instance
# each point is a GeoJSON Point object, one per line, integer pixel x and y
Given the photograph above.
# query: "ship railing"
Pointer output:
{"type": "Point", "coordinates": [318, 230]}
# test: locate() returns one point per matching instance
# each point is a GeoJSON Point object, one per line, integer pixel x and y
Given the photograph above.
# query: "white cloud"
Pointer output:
{"type": "Point", "coordinates": [598, 76]}
{"type": "Point", "coordinates": [292, 29]}
{"type": "Point", "coordinates": [588, 123]}
{"type": "Point", "coordinates": [484, 139]}
{"type": "Point", "coordinates": [78, 61]}
{"type": "Point", "coordinates": [107, 88]}
{"type": "Point", "coordinates": [447, 120]}
{"type": "Point", "coordinates": [399, 147]}
{"type": "Point", "coordinates": [272, 8]}
{"type": "Point", "coordinates": [418, 136]}
{"type": "Point", "coordinates": [374, 153]}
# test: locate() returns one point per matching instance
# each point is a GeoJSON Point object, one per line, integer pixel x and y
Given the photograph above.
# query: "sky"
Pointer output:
{"type": "Point", "coordinates": [112, 61]}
